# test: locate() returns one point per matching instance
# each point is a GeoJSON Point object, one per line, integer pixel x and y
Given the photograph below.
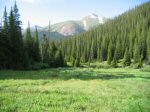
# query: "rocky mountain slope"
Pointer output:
{"type": "Point", "coordinates": [71, 28]}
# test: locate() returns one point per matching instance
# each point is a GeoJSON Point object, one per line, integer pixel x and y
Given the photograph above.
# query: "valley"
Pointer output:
{"type": "Point", "coordinates": [91, 64]}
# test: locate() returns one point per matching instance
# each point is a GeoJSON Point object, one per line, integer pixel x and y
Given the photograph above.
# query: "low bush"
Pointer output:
{"type": "Point", "coordinates": [146, 68]}
{"type": "Point", "coordinates": [38, 66]}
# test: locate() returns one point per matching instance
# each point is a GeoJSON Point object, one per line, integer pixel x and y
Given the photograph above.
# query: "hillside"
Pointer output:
{"type": "Point", "coordinates": [125, 37]}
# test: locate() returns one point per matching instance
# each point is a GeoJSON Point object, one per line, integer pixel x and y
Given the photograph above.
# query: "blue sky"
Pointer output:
{"type": "Point", "coordinates": [39, 12]}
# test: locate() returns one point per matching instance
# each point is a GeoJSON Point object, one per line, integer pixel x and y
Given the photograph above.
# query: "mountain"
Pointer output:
{"type": "Point", "coordinates": [67, 28]}
{"type": "Point", "coordinates": [70, 28]}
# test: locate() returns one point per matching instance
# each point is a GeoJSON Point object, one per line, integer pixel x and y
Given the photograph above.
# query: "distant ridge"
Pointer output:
{"type": "Point", "coordinates": [71, 28]}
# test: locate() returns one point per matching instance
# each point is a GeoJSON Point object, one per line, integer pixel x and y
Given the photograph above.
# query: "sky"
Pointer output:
{"type": "Point", "coordinates": [40, 12]}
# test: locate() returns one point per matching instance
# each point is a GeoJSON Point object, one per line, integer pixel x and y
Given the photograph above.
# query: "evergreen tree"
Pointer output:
{"type": "Point", "coordinates": [59, 59]}
{"type": "Point", "coordinates": [36, 49]}
{"type": "Point", "coordinates": [118, 50]}
{"type": "Point", "coordinates": [15, 36]}
{"type": "Point", "coordinates": [92, 51]}
{"type": "Point", "coordinates": [104, 50]}
{"type": "Point", "coordinates": [17, 20]}
{"type": "Point", "coordinates": [73, 59]}
{"type": "Point", "coordinates": [5, 22]}
{"type": "Point", "coordinates": [26, 60]}
{"type": "Point", "coordinates": [44, 50]}
{"type": "Point", "coordinates": [98, 54]}
{"type": "Point", "coordinates": [110, 55]}
{"type": "Point", "coordinates": [148, 47]}
{"type": "Point", "coordinates": [143, 46]}
{"type": "Point", "coordinates": [52, 51]}
{"type": "Point", "coordinates": [83, 58]}
{"type": "Point", "coordinates": [5, 53]}
{"type": "Point", "coordinates": [115, 56]}
{"type": "Point", "coordinates": [140, 64]}
{"type": "Point", "coordinates": [114, 63]}
{"type": "Point", "coordinates": [127, 59]}
{"type": "Point", "coordinates": [77, 62]}
{"type": "Point", "coordinates": [20, 56]}
{"type": "Point", "coordinates": [29, 44]}
{"type": "Point", "coordinates": [136, 53]}
{"type": "Point", "coordinates": [3, 57]}
{"type": "Point", "coordinates": [131, 43]}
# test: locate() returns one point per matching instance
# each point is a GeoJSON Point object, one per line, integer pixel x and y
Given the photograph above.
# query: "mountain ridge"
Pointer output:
{"type": "Point", "coordinates": [70, 27]}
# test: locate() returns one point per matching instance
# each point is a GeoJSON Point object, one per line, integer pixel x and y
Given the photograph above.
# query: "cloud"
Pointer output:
{"type": "Point", "coordinates": [39, 1]}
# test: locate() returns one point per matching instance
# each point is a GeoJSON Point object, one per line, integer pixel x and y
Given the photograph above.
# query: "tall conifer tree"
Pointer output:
{"type": "Point", "coordinates": [29, 43]}
{"type": "Point", "coordinates": [127, 58]}
{"type": "Point", "coordinates": [15, 36]}
{"type": "Point", "coordinates": [148, 47]}
{"type": "Point", "coordinates": [36, 49]}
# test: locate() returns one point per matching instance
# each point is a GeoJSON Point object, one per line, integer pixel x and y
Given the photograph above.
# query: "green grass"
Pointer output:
{"type": "Point", "coordinates": [75, 90]}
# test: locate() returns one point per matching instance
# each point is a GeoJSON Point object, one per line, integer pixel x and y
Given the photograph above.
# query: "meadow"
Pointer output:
{"type": "Point", "coordinates": [75, 90]}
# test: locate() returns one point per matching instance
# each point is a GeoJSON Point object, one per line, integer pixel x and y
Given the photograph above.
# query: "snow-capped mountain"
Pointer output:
{"type": "Point", "coordinates": [67, 28]}
{"type": "Point", "coordinates": [70, 28]}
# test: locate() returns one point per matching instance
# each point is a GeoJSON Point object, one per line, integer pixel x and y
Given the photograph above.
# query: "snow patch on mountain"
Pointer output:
{"type": "Point", "coordinates": [92, 15]}
{"type": "Point", "coordinates": [84, 23]}
{"type": "Point", "coordinates": [101, 21]}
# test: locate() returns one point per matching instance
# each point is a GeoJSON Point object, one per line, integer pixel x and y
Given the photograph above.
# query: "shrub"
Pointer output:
{"type": "Point", "coordinates": [146, 69]}
{"type": "Point", "coordinates": [114, 63]}
{"type": "Point", "coordinates": [38, 66]}
{"type": "Point", "coordinates": [140, 64]}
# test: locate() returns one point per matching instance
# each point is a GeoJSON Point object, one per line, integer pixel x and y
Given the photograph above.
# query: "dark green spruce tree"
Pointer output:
{"type": "Point", "coordinates": [36, 49]}
{"type": "Point", "coordinates": [140, 62]}
{"type": "Point", "coordinates": [110, 53]}
{"type": "Point", "coordinates": [15, 35]}
{"type": "Point", "coordinates": [44, 50]}
{"type": "Point", "coordinates": [118, 50]}
{"type": "Point", "coordinates": [29, 44]}
{"type": "Point", "coordinates": [5, 53]}
{"type": "Point", "coordinates": [2, 54]}
{"type": "Point", "coordinates": [52, 52]}
{"type": "Point", "coordinates": [136, 53]}
{"type": "Point", "coordinates": [148, 47]}
{"type": "Point", "coordinates": [59, 59]}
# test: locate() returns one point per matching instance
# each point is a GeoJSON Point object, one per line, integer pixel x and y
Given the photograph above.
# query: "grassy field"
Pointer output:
{"type": "Point", "coordinates": [75, 90]}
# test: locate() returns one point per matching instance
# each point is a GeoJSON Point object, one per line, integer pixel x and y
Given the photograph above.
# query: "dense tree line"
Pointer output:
{"type": "Point", "coordinates": [125, 37]}
{"type": "Point", "coordinates": [17, 52]}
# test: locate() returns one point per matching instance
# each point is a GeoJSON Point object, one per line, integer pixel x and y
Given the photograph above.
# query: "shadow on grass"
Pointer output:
{"type": "Point", "coordinates": [63, 74]}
